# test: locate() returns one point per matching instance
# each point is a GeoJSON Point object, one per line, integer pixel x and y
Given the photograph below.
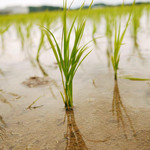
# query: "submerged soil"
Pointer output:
{"type": "Point", "coordinates": [106, 115]}
{"type": "Point", "coordinates": [37, 81]}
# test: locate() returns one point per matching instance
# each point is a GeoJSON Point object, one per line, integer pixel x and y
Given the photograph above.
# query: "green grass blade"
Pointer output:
{"type": "Point", "coordinates": [134, 79]}
{"type": "Point", "coordinates": [40, 45]}
{"type": "Point", "coordinates": [58, 49]}
{"type": "Point", "coordinates": [62, 97]}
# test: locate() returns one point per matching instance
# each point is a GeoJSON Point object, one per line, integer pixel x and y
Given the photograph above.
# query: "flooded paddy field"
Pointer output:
{"type": "Point", "coordinates": [107, 114]}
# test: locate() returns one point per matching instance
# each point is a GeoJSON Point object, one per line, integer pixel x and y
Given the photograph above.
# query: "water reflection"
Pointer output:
{"type": "Point", "coordinates": [73, 135]}
{"type": "Point", "coordinates": [4, 100]}
{"type": "Point", "coordinates": [2, 133]}
{"type": "Point", "coordinates": [2, 121]}
{"type": "Point", "coordinates": [2, 130]}
{"type": "Point", "coordinates": [120, 112]}
{"type": "Point", "coordinates": [75, 140]}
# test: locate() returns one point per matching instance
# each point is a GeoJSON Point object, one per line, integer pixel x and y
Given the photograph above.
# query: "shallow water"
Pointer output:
{"type": "Point", "coordinates": [91, 126]}
{"type": "Point", "coordinates": [107, 114]}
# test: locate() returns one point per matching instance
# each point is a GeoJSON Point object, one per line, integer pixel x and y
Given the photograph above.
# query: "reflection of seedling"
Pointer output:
{"type": "Point", "coordinates": [73, 136]}
{"type": "Point", "coordinates": [68, 60]}
{"type": "Point", "coordinates": [2, 130]}
{"type": "Point", "coordinates": [2, 121]}
{"type": "Point", "coordinates": [4, 100]}
{"type": "Point", "coordinates": [4, 94]}
{"type": "Point", "coordinates": [117, 44]}
{"type": "Point", "coordinates": [119, 110]}
{"type": "Point", "coordinates": [2, 133]}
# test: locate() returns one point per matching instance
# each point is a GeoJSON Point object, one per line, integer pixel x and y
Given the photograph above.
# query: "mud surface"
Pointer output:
{"type": "Point", "coordinates": [36, 81]}
{"type": "Point", "coordinates": [107, 114]}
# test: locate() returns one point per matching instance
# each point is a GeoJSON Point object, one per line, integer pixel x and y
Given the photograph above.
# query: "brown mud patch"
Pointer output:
{"type": "Point", "coordinates": [38, 81]}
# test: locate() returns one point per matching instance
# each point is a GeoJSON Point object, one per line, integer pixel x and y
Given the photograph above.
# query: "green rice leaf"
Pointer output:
{"type": "Point", "coordinates": [134, 79]}
{"type": "Point", "coordinates": [62, 97]}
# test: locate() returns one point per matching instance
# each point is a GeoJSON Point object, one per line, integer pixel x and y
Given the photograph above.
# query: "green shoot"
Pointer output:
{"type": "Point", "coordinates": [40, 46]}
{"type": "Point", "coordinates": [109, 32]}
{"type": "Point", "coordinates": [20, 34]}
{"type": "Point", "coordinates": [135, 29]}
{"type": "Point", "coordinates": [68, 59]}
{"type": "Point", "coordinates": [117, 44]}
{"type": "Point", "coordinates": [2, 31]}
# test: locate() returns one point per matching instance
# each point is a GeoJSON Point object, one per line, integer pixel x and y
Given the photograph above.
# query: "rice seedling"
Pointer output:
{"type": "Point", "coordinates": [2, 31]}
{"type": "Point", "coordinates": [20, 34]}
{"type": "Point", "coordinates": [68, 60]}
{"type": "Point", "coordinates": [28, 33]}
{"type": "Point", "coordinates": [109, 32]}
{"type": "Point", "coordinates": [42, 42]}
{"type": "Point", "coordinates": [118, 42]}
{"type": "Point", "coordinates": [40, 45]}
{"type": "Point", "coordinates": [93, 34]}
{"type": "Point", "coordinates": [136, 25]}
{"type": "Point", "coordinates": [28, 40]}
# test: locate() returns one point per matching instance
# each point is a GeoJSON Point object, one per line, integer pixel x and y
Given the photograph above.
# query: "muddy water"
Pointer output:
{"type": "Point", "coordinates": [106, 114]}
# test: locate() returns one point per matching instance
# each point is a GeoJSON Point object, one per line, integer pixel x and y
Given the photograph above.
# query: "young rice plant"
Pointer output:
{"type": "Point", "coordinates": [117, 44]}
{"type": "Point", "coordinates": [68, 59]}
